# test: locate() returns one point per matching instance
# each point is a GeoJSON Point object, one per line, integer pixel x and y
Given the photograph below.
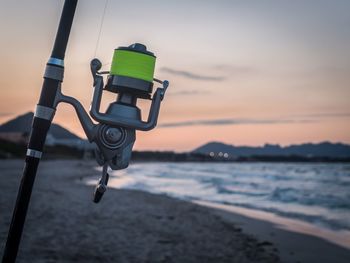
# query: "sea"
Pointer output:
{"type": "Point", "coordinates": [316, 193]}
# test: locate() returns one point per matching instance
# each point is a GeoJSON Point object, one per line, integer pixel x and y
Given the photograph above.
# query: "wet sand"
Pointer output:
{"type": "Point", "coordinates": [64, 225]}
{"type": "Point", "coordinates": [294, 240]}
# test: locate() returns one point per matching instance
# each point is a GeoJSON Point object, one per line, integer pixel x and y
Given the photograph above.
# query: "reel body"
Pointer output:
{"type": "Point", "coordinates": [130, 78]}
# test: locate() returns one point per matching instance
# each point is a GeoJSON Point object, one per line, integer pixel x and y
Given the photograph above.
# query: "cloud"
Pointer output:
{"type": "Point", "coordinates": [304, 118]}
{"type": "Point", "coordinates": [188, 92]}
{"type": "Point", "coordinates": [236, 70]}
{"type": "Point", "coordinates": [328, 115]}
{"type": "Point", "coordinates": [190, 75]}
{"type": "Point", "coordinates": [222, 122]}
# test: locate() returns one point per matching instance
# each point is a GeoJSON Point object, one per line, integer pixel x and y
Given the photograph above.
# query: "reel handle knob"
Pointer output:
{"type": "Point", "coordinates": [98, 193]}
{"type": "Point", "coordinates": [101, 187]}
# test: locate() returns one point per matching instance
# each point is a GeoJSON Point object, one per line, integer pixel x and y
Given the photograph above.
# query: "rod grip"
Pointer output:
{"type": "Point", "coordinates": [20, 210]}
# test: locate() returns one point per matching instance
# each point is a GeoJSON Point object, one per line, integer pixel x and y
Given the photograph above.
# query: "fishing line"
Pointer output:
{"type": "Point", "coordinates": [100, 29]}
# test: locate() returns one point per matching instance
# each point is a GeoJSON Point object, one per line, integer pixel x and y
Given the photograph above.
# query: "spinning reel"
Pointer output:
{"type": "Point", "coordinates": [130, 77]}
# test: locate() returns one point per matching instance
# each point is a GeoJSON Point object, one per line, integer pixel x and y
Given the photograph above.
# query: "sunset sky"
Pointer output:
{"type": "Point", "coordinates": [240, 72]}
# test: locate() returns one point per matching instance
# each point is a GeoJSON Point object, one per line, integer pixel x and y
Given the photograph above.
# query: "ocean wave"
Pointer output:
{"type": "Point", "coordinates": [316, 193]}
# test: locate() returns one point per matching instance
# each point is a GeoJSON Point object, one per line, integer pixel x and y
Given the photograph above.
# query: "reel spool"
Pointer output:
{"type": "Point", "coordinates": [132, 71]}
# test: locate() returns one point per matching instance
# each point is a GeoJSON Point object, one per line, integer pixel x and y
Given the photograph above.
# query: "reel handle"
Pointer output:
{"type": "Point", "coordinates": [98, 193]}
{"type": "Point", "coordinates": [101, 187]}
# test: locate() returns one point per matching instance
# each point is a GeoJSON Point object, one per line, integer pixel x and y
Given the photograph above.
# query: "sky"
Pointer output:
{"type": "Point", "coordinates": [240, 72]}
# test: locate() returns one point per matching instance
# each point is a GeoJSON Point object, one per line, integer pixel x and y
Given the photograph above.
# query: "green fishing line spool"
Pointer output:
{"type": "Point", "coordinates": [132, 71]}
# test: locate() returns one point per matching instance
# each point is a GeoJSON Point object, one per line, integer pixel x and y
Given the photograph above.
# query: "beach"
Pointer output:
{"type": "Point", "coordinates": [64, 225]}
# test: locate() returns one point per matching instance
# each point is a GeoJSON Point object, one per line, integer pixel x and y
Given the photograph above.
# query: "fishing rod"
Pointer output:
{"type": "Point", "coordinates": [131, 77]}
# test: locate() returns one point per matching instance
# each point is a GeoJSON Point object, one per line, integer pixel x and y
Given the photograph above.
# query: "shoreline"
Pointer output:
{"type": "Point", "coordinates": [293, 244]}
{"type": "Point", "coordinates": [340, 238]}
{"type": "Point", "coordinates": [63, 225]}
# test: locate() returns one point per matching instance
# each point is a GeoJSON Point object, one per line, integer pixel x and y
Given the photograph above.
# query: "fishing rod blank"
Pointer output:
{"type": "Point", "coordinates": [43, 116]}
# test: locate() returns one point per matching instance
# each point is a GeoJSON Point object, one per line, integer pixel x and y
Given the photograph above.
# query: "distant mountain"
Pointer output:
{"type": "Point", "coordinates": [324, 149]}
{"type": "Point", "coordinates": [22, 124]}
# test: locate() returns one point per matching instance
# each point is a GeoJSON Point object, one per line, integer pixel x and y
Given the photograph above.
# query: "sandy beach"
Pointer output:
{"type": "Point", "coordinates": [64, 225]}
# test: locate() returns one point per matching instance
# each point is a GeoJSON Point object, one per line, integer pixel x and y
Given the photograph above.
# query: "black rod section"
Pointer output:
{"type": "Point", "coordinates": [40, 127]}
{"type": "Point", "coordinates": [59, 48]}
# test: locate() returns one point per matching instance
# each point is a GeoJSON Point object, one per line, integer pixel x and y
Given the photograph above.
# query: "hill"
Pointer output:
{"type": "Point", "coordinates": [22, 124]}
